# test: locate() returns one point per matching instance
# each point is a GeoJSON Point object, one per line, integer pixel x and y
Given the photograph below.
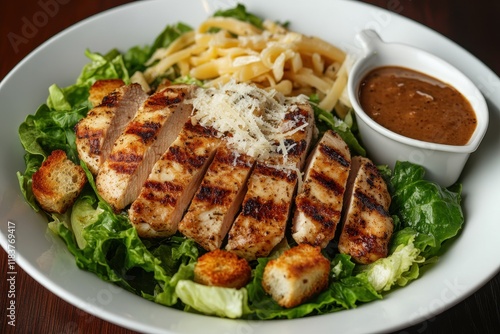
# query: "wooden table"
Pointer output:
{"type": "Point", "coordinates": [473, 25]}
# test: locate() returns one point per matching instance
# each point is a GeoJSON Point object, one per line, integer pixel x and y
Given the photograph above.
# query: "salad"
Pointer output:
{"type": "Point", "coordinates": [161, 270]}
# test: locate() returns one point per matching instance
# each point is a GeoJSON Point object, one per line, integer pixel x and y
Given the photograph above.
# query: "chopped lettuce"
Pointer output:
{"type": "Point", "coordinates": [223, 302]}
{"type": "Point", "coordinates": [399, 268]}
{"type": "Point", "coordinates": [341, 266]}
{"type": "Point", "coordinates": [326, 120]}
{"type": "Point", "coordinates": [240, 13]}
{"type": "Point", "coordinates": [45, 131]}
{"type": "Point", "coordinates": [108, 66]}
{"type": "Point", "coordinates": [432, 211]}
{"type": "Point", "coordinates": [114, 252]}
{"type": "Point", "coordinates": [83, 214]}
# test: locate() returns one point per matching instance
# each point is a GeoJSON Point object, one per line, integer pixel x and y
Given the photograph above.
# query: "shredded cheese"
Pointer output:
{"type": "Point", "coordinates": [250, 119]}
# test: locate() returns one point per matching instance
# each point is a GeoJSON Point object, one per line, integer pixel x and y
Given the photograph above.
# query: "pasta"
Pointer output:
{"type": "Point", "coordinates": [272, 58]}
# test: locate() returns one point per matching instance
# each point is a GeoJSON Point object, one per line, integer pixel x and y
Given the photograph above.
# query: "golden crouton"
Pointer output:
{"type": "Point", "coordinates": [58, 182]}
{"type": "Point", "coordinates": [222, 268]}
{"type": "Point", "coordinates": [101, 88]}
{"type": "Point", "coordinates": [298, 274]}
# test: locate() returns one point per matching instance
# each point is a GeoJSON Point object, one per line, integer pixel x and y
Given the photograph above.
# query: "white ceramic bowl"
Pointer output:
{"type": "Point", "coordinates": [443, 163]}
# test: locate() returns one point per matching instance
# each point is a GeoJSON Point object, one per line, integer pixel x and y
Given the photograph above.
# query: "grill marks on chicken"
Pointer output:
{"type": "Point", "coordinates": [172, 182]}
{"type": "Point", "coordinates": [261, 224]}
{"type": "Point", "coordinates": [367, 225]}
{"type": "Point", "coordinates": [297, 142]}
{"type": "Point", "coordinates": [319, 202]}
{"type": "Point", "coordinates": [218, 198]}
{"type": "Point", "coordinates": [181, 176]}
{"type": "Point", "coordinates": [266, 208]}
{"type": "Point", "coordinates": [96, 133]}
{"type": "Point", "coordinates": [145, 138]}
{"type": "Point", "coordinates": [101, 88]}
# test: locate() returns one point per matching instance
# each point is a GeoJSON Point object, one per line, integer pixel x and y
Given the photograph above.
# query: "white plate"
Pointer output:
{"type": "Point", "coordinates": [470, 261]}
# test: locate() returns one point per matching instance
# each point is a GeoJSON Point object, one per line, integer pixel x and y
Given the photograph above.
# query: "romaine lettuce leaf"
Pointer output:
{"type": "Point", "coordinates": [399, 268]}
{"type": "Point", "coordinates": [45, 131]}
{"type": "Point", "coordinates": [341, 266]}
{"type": "Point", "coordinates": [48, 130]}
{"type": "Point", "coordinates": [115, 253]}
{"type": "Point", "coordinates": [108, 66]}
{"type": "Point", "coordinates": [326, 120]}
{"type": "Point", "coordinates": [240, 13]}
{"type": "Point", "coordinates": [83, 214]}
{"type": "Point", "coordinates": [432, 211]}
{"type": "Point", "coordinates": [213, 300]}
{"type": "Point", "coordinates": [350, 291]}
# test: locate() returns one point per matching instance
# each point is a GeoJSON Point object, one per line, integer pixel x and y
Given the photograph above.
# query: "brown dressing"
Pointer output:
{"type": "Point", "coordinates": [417, 106]}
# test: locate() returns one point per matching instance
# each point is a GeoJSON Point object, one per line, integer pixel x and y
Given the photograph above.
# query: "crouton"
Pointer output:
{"type": "Point", "coordinates": [58, 182]}
{"type": "Point", "coordinates": [102, 88]}
{"type": "Point", "coordinates": [298, 274]}
{"type": "Point", "coordinates": [222, 268]}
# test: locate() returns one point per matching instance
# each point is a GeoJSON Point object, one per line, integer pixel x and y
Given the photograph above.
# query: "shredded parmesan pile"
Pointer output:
{"type": "Point", "coordinates": [250, 119]}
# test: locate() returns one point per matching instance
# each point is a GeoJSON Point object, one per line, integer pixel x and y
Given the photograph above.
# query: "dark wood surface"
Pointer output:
{"type": "Point", "coordinates": [473, 25]}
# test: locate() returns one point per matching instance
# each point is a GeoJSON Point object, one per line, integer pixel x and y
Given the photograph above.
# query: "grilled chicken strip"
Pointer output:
{"type": "Point", "coordinates": [261, 224]}
{"type": "Point", "coordinates": [366, 225]}
{"type": "Point", "coordinates": [173, 181]}
{"type": "Point", "coordinates": [299, 129]}
{"type": "Point", "coordinates": [101, 88]}
{"type": "Point", "coordinates": [319, 202]}
{"type": "Point", "coordinates": [154, 127]}
{"type": "Point", "coordinates": [218, 199]}
{"type": "Point", "coordinates": [96, 133]}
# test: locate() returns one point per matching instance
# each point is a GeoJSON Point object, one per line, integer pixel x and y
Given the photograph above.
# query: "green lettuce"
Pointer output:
{"type": "Point", "coordinates": [83, 214]}
{"type": "Point", "coordinates": [45, 131]}
{"type": "Point", "coordinates": [114, 252]}
{"type": "Point", "coordinates": [346, 129]}
{"type": "Point", "coordinates": [213, 300]}
{"type": "Point", "coordinates": [108, 66]}
{"type": "Point", "coordinates": [399, 268]}
{"type": "Point", "coordinates": [432, 211]}
{"type": "Point", "coordinates": [240, 13]}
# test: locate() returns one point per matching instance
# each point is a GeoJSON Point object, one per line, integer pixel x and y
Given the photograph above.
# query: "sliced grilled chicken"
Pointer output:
{"type": "Point", "coordinates": [145, 138]}
{"type": "Point", "coordinates": [96, 133]}
{"type": "Point", "coordinates": [366, 224]}
{"type": "Point", "coordinates": [298, 128]}
{"type": "Point", "coordinates": [174, 179]}
{"type": "Point", "coordinates": [319, 202]}
{"type": "Point", "coordinates": [102, 88]}
{"type": "Point", "coordinates": [218, 199]}
{"type": "Point", "coordinates": [261, 224]}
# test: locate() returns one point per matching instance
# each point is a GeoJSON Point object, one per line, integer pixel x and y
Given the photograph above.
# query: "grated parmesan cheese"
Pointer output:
{"type": "Point", "coordinates": [250, 119]}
